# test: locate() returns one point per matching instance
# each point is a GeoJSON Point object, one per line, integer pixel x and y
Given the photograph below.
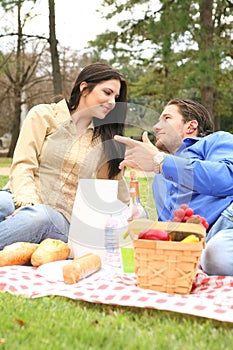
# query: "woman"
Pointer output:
{"type": "Point", "coordinates": [59, 144]}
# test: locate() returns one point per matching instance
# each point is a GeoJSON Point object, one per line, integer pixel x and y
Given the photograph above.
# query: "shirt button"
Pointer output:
{"type": "Point", "coordinates": [170, 178]}
{"type": "Point", "coordinates": [171, 193]}
{"type": "Point", "coordinates": [170, 208]}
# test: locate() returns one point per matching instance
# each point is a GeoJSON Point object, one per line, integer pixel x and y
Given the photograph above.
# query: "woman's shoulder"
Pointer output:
{"type": "Point", "coordinates": [61, 105]}
{"type": "Point", "coordinates": [58, 111]}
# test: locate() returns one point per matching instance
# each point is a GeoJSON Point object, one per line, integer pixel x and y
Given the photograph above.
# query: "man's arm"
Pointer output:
{"type": "Point", "coordinates": [138, 154]}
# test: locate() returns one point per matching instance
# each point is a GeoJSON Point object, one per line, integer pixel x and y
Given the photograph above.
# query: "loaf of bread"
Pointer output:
{"type": "Point", "coordinates": [81, 267]}
{"type": "Point", "coordinates": [18, 253]}
{"type": "Point", "coordinates": [50, 250]}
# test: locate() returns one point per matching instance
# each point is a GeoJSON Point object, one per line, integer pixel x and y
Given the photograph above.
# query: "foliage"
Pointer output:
{"type": "Point", "coordinates": [179, 55]}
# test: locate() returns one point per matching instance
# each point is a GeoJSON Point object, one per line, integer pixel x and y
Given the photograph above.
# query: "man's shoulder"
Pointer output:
{"type": "Point", "coordinates": [220, 133]}
{"type": "Point", "coordinates": [218, 136]}
{"type": "Point", "coordinates": [217, 140]}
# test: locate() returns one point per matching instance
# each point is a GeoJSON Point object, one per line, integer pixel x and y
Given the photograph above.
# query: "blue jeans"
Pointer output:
{"type": "Point", "coordinates": [31, 223]}
{"type": "Point", "coordinates": [217, 257]}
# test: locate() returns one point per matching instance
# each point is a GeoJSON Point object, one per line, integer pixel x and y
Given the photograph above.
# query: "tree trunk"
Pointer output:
{"type": "Point", "coordinates": [17, 86]}
{"type": "Point", "coordinates": [206, 61]}
{"type": "Point", "coordinates": [16, 123]}
{"type": "Point", "coordinates": [57, 82]}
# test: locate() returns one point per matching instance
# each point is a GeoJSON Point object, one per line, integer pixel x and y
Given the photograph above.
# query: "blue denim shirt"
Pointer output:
{"type": "Point", "coordinates": [199, 174]}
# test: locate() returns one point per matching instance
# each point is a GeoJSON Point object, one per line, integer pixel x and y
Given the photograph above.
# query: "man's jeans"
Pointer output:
{"type": "Point", "coordinates": [31, 223]}
{"type": "Point", "coordinates": [217, 257]}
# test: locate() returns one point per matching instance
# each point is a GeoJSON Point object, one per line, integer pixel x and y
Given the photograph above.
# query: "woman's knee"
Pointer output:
{"type": "Point", "coordinates": [7, 206]}
{"type": "Point", "coordinates": [44, 215]}
{"type": "Point", "coordinates": [217, 257]}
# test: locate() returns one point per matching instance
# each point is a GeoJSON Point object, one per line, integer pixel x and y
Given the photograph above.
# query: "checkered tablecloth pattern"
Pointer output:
{"type": "Point", "coordinates": [211, 296]}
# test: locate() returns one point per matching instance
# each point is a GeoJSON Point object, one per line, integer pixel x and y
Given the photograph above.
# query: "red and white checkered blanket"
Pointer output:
{"type": "Point", "coordinates": [211, 296]}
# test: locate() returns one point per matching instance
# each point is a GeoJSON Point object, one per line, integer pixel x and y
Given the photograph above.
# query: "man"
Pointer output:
{"type": "Point", "coordinates": [192, 165]}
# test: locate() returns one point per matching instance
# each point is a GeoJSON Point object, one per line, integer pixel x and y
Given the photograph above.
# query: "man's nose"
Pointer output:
{"type": "Point", "coordinates": [157, 126]}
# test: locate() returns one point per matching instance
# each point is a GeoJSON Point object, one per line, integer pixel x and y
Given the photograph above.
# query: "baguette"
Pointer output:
{"type": "Point", "coordinates": [81, 267]}
{"type": "Point", "coordinates": [18, 253]}
{"type": "Point", "coordinates": [50, 250]}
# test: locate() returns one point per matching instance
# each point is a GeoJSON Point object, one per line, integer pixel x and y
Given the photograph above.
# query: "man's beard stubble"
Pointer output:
{"type": "Point", "coordinates": [161, 146]}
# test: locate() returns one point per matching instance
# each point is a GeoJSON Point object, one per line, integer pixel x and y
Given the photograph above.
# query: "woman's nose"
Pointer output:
{"type": "Point", "coordinates": [111, 101]}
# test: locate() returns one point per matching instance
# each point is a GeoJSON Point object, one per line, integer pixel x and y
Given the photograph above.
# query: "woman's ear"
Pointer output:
{"type": "Point", "coordinates": [83, 85]}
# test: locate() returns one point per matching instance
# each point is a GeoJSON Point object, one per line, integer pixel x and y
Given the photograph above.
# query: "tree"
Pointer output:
{"type": "Point", "coordinates": [205, 44]}
{"type": "Point", "coordinates": [57, 81]}
{"type": "Point", "coordinates": [21, 74]}
{"type": "Point", "coordinates": [20, 69]}
{"type": "Point", "coordinates": [190, 46]}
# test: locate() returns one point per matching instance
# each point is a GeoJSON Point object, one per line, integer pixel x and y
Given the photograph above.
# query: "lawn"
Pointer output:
{"type": "Point", "coordinates": [57, 323]}
{"type": "Point", "coordinates": [5, 162]}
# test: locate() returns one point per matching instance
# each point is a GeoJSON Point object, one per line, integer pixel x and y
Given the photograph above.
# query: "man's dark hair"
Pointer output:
{"type": "Point", "coordinates": [191, 110]}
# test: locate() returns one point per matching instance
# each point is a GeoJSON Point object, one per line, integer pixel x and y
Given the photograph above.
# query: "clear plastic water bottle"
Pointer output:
{"type": "Point", "coordinates": [112, 242]}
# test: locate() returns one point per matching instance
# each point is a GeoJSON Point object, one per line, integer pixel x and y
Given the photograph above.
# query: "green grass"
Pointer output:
{"type": "Point", "coordinates": [5, 162]}
{"type": "Point", "coordinates": [57, 323]}
{"type": "Point", "coordinates": [3, 181]}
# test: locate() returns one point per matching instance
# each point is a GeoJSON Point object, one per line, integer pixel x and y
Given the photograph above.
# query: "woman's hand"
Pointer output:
{"type": "Point", "coordinates": [140, 154]}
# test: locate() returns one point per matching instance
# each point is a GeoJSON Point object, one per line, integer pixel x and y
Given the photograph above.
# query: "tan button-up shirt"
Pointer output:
{"type": "Point", "coordinates": [50, 158]}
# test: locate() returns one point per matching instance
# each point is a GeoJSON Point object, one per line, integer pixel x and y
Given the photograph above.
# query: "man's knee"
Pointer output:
{"type": "Point", "coordinates": [217, 257]}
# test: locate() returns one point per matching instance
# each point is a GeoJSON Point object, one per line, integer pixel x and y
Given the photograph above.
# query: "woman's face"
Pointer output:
{"type": "Point", "coordinates": [102, 99]}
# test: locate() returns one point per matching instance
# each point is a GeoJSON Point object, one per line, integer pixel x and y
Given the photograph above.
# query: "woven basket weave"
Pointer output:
{"type": "Point", "coordinates": [168, 266]}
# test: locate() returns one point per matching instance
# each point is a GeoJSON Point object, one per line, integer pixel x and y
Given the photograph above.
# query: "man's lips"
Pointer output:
{"type": "Point", "coordinates": [159, 134]}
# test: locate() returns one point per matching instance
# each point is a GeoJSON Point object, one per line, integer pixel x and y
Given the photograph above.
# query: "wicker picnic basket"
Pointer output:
{"type": "Point", "coordinates": [168, 266]}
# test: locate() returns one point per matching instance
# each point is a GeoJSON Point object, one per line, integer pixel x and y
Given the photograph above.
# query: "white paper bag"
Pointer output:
{"type": "Point", "coordinates": [95, 201]}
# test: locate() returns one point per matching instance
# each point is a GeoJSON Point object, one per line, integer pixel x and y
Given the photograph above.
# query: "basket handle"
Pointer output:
{"type": "Point", "coordinates": [137, 225]}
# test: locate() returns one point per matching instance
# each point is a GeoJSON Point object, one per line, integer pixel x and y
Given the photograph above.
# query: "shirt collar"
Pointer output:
{"type": "Point", "coordinates": [189, 141]}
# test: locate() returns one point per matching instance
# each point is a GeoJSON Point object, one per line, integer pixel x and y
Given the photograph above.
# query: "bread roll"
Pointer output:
{"type": "Point", "coordinates": [50, 250]}
{"type": "Point", "coordinates": [18, 253]}
{"type": "Point", "coordinates": [81, 267]}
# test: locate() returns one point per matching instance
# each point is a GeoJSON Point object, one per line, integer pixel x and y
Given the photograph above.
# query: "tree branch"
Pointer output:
{"type": "Point", "coordinates": [25, 35]}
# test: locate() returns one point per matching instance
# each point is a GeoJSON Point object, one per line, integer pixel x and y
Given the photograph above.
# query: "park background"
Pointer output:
{"type": "Point", "coordinates": [165, 48]}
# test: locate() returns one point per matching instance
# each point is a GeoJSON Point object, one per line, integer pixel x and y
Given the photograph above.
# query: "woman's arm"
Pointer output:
{"type": "Point", "coordinates": [25, 160]}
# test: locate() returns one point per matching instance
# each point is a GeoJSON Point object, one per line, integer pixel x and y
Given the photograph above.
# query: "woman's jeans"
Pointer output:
{"type": "Point", "coordinates": [31, 223]}
{"type": "Point", "coordinates": [217, 257]}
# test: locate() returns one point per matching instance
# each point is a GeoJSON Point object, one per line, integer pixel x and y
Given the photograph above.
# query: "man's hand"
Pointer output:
{"type": "Point", "coordinates": [140, 154]}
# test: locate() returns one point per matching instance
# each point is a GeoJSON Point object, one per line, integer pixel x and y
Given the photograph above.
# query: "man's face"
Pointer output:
{"type": "Point", "coordinates": [170, 129]}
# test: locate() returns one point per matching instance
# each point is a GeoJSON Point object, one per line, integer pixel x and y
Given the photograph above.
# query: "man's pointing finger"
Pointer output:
{"type": "Point", "coordinates": [126, 140]}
